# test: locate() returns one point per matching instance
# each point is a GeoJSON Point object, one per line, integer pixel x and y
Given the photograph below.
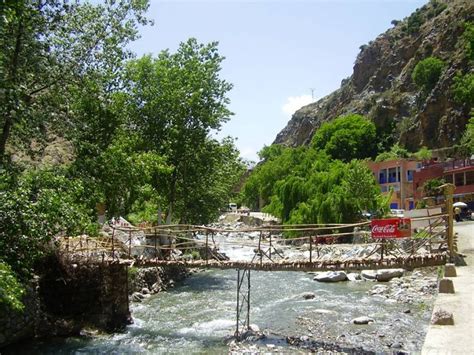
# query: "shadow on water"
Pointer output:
{"type": "Point", "coordinates": [205, 282]}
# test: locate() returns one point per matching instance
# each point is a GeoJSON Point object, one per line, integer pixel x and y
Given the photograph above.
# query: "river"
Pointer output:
{"type": "Point", "coordinates": [199, 314]}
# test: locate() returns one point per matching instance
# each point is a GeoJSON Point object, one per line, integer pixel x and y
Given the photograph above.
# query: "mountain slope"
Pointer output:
{"type": "Point", "coordinates": [381, 86]}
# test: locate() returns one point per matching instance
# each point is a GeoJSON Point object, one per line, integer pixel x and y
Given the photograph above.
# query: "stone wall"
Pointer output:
{"type": "Point", "coordinates": [94, 295]}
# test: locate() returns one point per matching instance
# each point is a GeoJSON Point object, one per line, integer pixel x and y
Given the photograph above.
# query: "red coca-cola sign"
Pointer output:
{"type": "Point", "coordinates": [391, 228]}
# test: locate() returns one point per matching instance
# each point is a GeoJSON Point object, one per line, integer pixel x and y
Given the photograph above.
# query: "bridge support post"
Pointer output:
{"type": "Point", "coordinates": [243, 303]}
{"type": "Point", "coordinates": [448, 194]}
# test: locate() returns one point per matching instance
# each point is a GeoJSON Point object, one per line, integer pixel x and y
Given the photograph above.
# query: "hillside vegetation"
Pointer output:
{"type": "Point", "coordinates": [415, 82]}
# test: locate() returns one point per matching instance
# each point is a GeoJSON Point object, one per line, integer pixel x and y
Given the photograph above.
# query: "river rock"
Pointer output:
{"type": "Point", "coordinates": [354, 276]}
{"type": "Point", "coordinates": [363, 320]}
{"type": "Point", "coordinates": [378, 290]}
{"type": "Point", "coordinates": [442, 317]}
{"type": "Point", "coordinates": [309, 295]}
{"type": "Point", "coordinates": [385, 275]}
{"type": "Point", "coordinates": [137, 297]}
{"type": "Point", "coordinates": [368, 274]}
{"type": "Point", "coordinates": [254, 328]}
{"type": "Point", "coordinates": [331, 276]}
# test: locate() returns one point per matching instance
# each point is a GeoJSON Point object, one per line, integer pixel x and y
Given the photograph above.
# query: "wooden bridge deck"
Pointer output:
{"type": "Point", "coordinates": [409, 262]}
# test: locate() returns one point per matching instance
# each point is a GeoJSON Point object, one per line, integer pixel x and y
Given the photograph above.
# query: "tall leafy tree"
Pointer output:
{"type": "Point", "coordinates": [176, 101]}
{"type": "Point", "coordinates": [49, 47]}
{"type": "Point", "coordinates": [347, 137]}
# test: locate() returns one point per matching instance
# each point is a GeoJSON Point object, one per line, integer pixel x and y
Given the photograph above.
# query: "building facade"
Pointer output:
{"type": "Point", "coordinates": [397, 175]}
{"type": "Point", "coordinates": [407, 177]}
{"type": "Point", "coordinates": [460, 173]}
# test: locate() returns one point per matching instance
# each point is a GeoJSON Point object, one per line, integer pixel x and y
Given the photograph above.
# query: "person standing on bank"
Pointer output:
{"type": "Point", "coordinates": [457, 214]}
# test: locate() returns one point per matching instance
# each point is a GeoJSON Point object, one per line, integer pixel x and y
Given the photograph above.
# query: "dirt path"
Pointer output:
{"type": "Point", "coordinates": [457, 339]}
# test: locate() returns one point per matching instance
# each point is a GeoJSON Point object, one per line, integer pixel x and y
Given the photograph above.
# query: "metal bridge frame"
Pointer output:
{"type": "Point", "coordinates": [243, 303]}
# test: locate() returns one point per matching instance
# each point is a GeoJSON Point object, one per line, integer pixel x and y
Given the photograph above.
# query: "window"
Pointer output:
{"type": "Point", "coordinates": [459, 179]}
{"type": "Point", "coordinates": [392, 175]}
{"type": "Point", "coordinates": [470, 177]}
{"type": "Point", "coordinates": [448, 179]}
{"type": "Point", "coordinates": [410, 175]}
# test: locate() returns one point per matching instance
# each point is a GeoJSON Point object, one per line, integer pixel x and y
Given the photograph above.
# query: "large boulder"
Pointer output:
{"type": "Point", "coordinates": [385, 275]}
{"type": "Point", "coordinates": [331, 276]}
{"type": "Point", "coordinates": [368, 274]}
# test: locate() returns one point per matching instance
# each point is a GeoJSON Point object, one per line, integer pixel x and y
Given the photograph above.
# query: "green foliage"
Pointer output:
{"type": "Point", "coordinates": [396, 152]}
{"type": "Point", "coordinates": [431, 187]}
{"type": "Point", "coordinates": [35, 207]}
{"type": "Point", "coordinates": [304, 185]}
{"type": "Point", "coordinates": [463, 89]}
{"type": "Point", "coordinates": [421, 15]}
{"type": "Point", "coordinates": [49, 51]}
{"type": "Point", "coordinates": [423, 154]}
{"type": "Point", "coordinates": [467, 141]}
{"type": "Point", "coordinates": [414, 22]}
{"type": "Point", "coordinates": [347, 137]}
{"type": "Point", "coordinates": [11, 289]}
{"type": "Point", "coordinates": [279, 162]}
{"type": "Point", "coordinates": [427, 72]}
{"type": "Point", "coordinates": [175, 102]}
{"type": "Point", "coordinates": [468, 37]}
{"type": "Point", "coordinates": [436, 7]}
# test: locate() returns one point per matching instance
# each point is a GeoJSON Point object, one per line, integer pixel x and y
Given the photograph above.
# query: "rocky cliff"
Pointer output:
{"type": "Point", "coordinates": [381, 86]}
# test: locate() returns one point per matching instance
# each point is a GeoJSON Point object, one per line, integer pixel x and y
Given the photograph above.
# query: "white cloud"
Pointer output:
{"type": "Point", "coordinates": [294, 103]}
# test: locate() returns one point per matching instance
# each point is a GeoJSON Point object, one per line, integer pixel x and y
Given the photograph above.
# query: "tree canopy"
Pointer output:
{"type": "Point", "coordinates": [427, 72]}
{"type": "Point", "coordinates": [347, 137]}
{"type": "Point", "coordinates": [141, 131]}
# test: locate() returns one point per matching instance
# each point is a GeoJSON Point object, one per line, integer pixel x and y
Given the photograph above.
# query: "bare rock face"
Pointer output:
{"type": "Point", "coordinates": [381, 86]}
{"type": "Point", "coordinates": [442, 317]}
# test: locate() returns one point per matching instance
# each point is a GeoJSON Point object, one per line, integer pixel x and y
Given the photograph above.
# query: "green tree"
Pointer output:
{"type": "Point", "coordinates": [347, 137]}
{"type": "Point", "coordinates": [467, 141]}
{"type": "Point", "coordinates": [175, 103]}
{"type": "Point", "coordinates": [431, 188]}
{"type": "Point", "coordinates": [427, 72]}
{"type": "Point", "coordinates": [50, 47]}
{"type": "Point", "coordinates": [468, 37]}
{"type": "Point", "coordinates": [463, 89]}
{"type": "Point", "coordinates": [396, 152]}
{"type": "Point", "coordinates": [423, 154]}
{"type": "Point", "coordinates": [34, 207]}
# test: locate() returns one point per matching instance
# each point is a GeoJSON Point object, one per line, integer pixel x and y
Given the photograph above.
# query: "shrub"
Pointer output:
{"type": "Point", "coordinates": [468, 37]}
{"type": "Point", "coordinates": [33, 209]}
{"type": "Point", "coordinates": [10, 289]}
{"type": "Point", "coordinates": [427, 72]}
{"type": "Point", "coordinates": [463, 89]}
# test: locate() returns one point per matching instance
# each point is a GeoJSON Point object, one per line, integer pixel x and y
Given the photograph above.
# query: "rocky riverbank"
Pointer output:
{"type": "Point", "coordinates": [370, 333]}
{"type": "Point", "coordinates": [144, 282]}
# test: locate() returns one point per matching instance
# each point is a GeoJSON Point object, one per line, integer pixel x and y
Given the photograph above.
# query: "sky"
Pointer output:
{"type": "Point", "coordinates": [280, 54]}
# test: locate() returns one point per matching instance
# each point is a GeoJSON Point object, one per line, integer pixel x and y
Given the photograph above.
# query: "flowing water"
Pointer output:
{"type": "Point", "coordinates": [199, 313]}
